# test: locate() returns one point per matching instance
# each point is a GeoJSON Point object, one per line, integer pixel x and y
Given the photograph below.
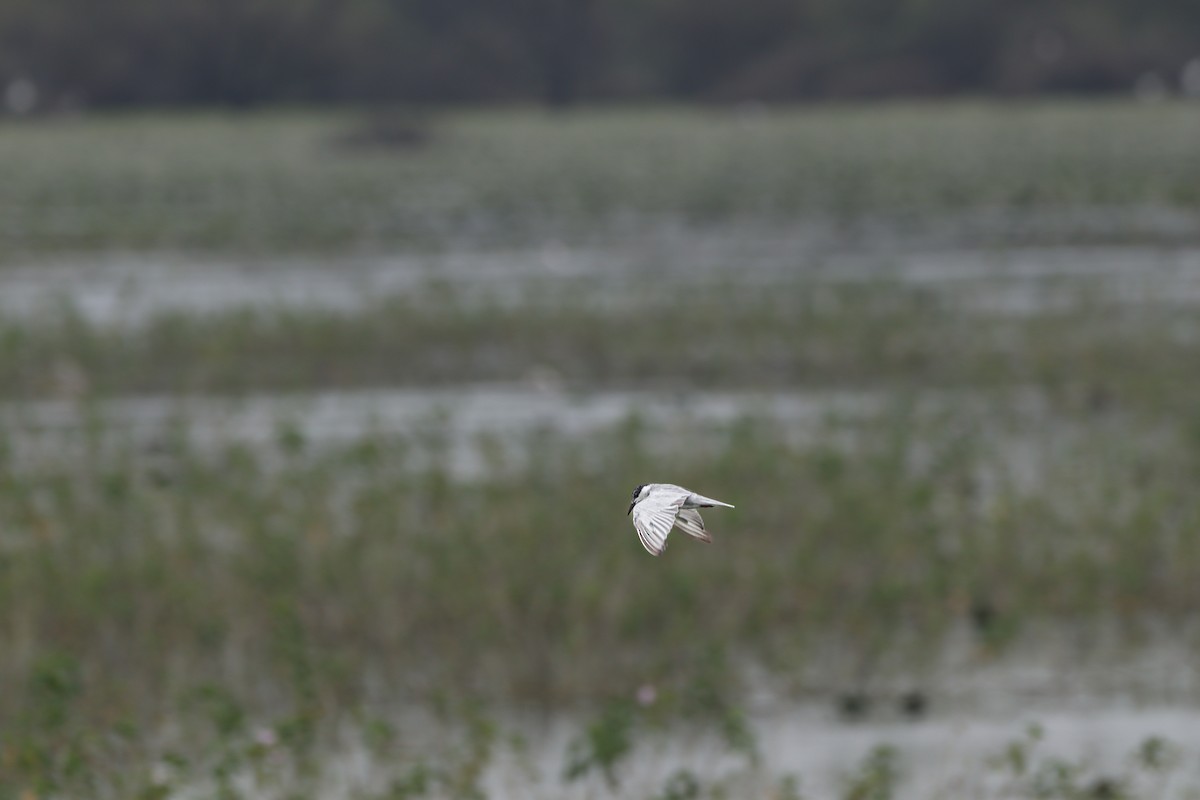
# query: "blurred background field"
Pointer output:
{"type": "Point", "coordinates": [296, 183]}
{"type": "Point", "coordinates": [317, 422]}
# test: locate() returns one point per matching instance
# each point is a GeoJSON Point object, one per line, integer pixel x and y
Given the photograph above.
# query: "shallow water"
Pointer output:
{"type": "Point", "coordinates": [1011, 280]}
{"type": "Point", "coordinates": [1093, 708]}
{"type": "Point", "coordinates": [952, 757]}
{"type": "Point", "coordinates": [1095, 700]}
{"type": "Point", "coordinates": [61, 431]}
{"type": "Point", "coordinates": [471, 432]}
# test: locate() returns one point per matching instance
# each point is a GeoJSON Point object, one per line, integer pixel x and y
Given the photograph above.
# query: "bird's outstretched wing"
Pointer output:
{"type": "Point", "coordinates": [654, 515]}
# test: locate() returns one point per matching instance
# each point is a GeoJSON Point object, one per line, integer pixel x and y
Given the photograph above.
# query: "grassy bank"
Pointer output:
{"type": "Point", "coordinates": [287, 183]}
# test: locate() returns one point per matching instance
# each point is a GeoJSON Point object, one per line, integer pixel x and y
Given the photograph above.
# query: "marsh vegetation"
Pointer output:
{"type": "Point", "coordinates": [998, 453]}
{"type": "Point", "coordinates": [275, 183]}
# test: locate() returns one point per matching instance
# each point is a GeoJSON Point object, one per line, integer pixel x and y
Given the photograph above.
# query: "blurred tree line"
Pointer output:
{"type": "Point", "coordinates": [244, 52]}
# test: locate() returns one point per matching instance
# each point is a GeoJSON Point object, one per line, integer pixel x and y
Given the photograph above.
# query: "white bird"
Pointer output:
{"type": "Point", "coordinates": [658, 506]}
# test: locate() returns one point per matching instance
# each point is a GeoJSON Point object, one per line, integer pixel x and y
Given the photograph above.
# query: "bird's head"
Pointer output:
{"type": "Point", "coordinates": [637, 495]}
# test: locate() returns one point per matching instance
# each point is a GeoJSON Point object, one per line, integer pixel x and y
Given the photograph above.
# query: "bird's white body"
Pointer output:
{"type": "Point", "coordinates": [656, 507]}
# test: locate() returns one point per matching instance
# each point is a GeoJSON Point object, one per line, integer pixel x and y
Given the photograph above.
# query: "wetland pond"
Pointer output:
{"type": "Point", "coordinates": [1058, 709]}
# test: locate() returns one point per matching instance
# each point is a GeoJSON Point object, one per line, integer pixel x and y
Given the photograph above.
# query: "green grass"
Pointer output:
{"type": "Point", "coordinates": [273, 183]}
{"type": "Point", "coordinates": [343, 581]}
{"type": "Point", "coordinates": [1091, 356]}
{"type": "Point", "coordinates": [343, 563]}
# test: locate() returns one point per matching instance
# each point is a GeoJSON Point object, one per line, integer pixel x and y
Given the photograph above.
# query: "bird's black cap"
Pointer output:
{"type": "Point", "coordinates": [636, 492]}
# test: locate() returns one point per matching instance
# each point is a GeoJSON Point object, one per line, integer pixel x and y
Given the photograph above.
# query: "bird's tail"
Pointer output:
{"type": "Point", "coordinates": [703, 501]}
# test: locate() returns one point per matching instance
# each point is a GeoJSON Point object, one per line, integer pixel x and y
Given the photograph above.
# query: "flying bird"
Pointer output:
{"type": "Point", "coordinates": [658, 506]}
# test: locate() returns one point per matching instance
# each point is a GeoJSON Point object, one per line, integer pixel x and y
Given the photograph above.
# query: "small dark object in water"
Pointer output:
{"type": "Point", "coordinates": [983, 615]}
{"type": "Point", "coordinates": [1104, 789]}
{"type": "Point", "coordinates": [159, 458]}
{"type": "Point", "coordinates": [853, 705]}
{"type": "Point", "coordinates": [160, 477]}
{"type": "Point", "coordinates": [1099, 398]}
{"type": "Point", "coordinates": [914, 704]}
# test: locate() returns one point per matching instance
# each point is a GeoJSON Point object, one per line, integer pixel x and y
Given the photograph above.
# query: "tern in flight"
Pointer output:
{"type": "Point", "coordinates": [658, 506]}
